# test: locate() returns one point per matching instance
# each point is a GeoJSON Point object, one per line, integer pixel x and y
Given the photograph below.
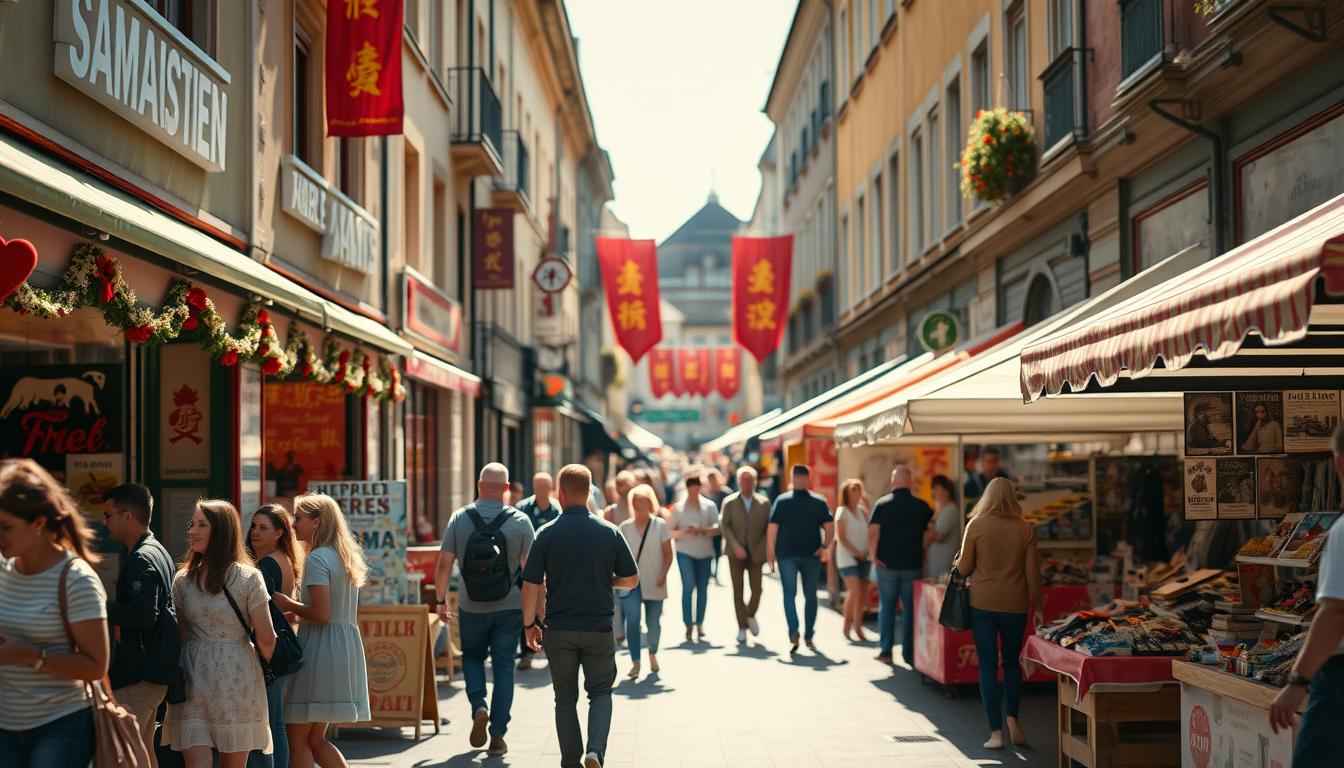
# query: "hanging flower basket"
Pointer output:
{"type": "Point", "coordinates": [999, 157]}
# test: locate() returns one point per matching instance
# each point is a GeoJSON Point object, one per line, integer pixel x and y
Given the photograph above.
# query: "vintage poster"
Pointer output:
{"type": "Point", "coordinates": [184, 412]}
{"type": "Point", "coordinates": [1309, 418]}
{"type": "Point", "coordinates": [399, 665]}
{"type": "Point", "coordinates": [1236, 489]}
{"type": "Point", "coordinates": [52, 411]}
{"type": "Point", "coordinates": [376, 512]}
{"type": "Point", "coordinates": [304, 437]}
{"type": "Point", "coordinates": [1208, 424]}
{"type": "Point", "coordinates": [1259, 423]}
{"type": "Point", "coordinates": [1201, 484]}
{"type": "Point", "coordinates": [1279, 481]}
{"type": "Point", "coordinates": [89, 476]}
{"type": "Point", "coordinates": [1218, 731]}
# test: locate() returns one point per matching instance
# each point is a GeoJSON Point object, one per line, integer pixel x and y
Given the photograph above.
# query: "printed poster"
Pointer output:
{"type": "Point", "coordinates": [1259, 423]}
{"type": "Point", "coordinates": [184, 412]}
{"type": "Point", "coordinates": [1201, 498]}
{"type": "Point", "coordinates": [376, 512]}
{"type": "Point", "coordinates": [52, 411]}
{"type": "Point", "coordinates": [1219, 731]}
{"type": "Point", "coordinates": [1208, 424]}
{"type": "Point", "coordinates": [1280, 487]}
{"type": "Point", "coordinates": [1236, 488]}
{"type": "Point", "coordinates": [89, 476]}
{"type": "Point", "coordinates": [304, 435]}
{"type": "Point", "coordinates": [1309, 418]}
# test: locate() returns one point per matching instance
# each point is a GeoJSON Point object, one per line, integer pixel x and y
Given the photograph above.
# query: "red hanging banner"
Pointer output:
{"type": "Point", "coordinates": [662, 380]}
{"type": "Point", "coordinates": [363, 55]}
{"type": "Point", "coordinates": [630, 276]}
{"type": "Point", "coordinates": [697, 373]}
{"type": "Point", "coordinates": [492, 249]}
{"type": "Point", "coordinates": [761, 272]}
{"type": "Point", "coordinates": [728, 371]}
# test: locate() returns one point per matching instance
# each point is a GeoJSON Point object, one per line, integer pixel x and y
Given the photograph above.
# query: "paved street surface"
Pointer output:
{"type": "Point", "coordinates": [716, 704]}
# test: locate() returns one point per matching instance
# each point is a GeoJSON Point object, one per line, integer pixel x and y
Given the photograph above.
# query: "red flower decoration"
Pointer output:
{"type": "Point", "coordinates": [196, 299]}
{"type": "Point", "coordinates": [306, 371]}
{"type": "Point", "coordinates": [191, 323]}
{"type": "Point", "coordinates": [263, 317]}
{"type": "Point", "coordinates": [263, 350]}
{"type": "Point", "coordinates": [989, 139]}
{"type": "Point", "coordinates": [229, 358]}
{"type": "Point", "coordinates": [139, 334]}
{"type": "Point", "coordinates": [345, 356]}
{"type": "Point", "coordinates": [272, 366]}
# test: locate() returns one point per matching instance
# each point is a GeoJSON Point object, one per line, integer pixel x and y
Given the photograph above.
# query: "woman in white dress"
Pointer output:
{"type": "Point", "coordinates": [650, 540]}
{"type": "Point", "coordinates": [851, 555]}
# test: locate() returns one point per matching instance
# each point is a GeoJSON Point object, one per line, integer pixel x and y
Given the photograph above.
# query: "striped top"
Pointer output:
{"type": "Point", "coordinates": [31, 614]}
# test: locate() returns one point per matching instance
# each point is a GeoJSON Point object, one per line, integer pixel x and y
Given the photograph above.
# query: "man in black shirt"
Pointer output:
{"type": "Point", "coordinates": [896, 547]}
{"type": "Point", "coordinates": [580, 558]}
{"type": "Point", "coordinates": [801, 529]}
{"type": "Point", "coordinates": [990, 468]}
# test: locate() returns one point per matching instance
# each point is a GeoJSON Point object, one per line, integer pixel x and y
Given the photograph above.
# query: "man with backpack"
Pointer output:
{"type": "Point", "coordinates": [145, 639]}
{"type": "Point", "coordinates": [489, 542]}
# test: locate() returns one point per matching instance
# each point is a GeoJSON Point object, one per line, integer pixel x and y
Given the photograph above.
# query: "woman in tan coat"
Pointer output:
{"type": "Point", "coordinates": [998, 557]}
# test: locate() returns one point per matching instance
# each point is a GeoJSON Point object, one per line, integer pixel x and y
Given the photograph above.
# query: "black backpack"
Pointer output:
{"type": "Point", "coordinates": [485, 560]}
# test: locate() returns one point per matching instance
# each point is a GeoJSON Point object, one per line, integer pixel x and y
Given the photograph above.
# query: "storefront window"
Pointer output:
{"type": "Point", "coordinates": [1291, 175]}
{"type": "Point", "coordinates": [1171, 226]}
{"type": "Point", "coordinates": [422, 461]}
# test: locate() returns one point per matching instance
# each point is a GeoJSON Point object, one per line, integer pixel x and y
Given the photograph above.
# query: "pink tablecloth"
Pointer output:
{"type": "Point", "coordinates": [1087, 671]}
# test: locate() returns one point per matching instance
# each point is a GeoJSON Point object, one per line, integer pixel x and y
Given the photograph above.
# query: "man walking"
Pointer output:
{"type": "Point", "coordinates": [541, 507]}
{"type": "Point", "coordinates": [146, 642]}
{"type": "Point", "coordinates": [580, 558]}
{"type": "Point", "coordinates": [991, 466]}
{"type": "Point", "coordinates": [743, 523]}
{"type": "Point", "coordinates": [896, 547]}
{"type": "Point", "coordinates": [489, 541]}
{"type": "Point", "coordinates": [801, 529]}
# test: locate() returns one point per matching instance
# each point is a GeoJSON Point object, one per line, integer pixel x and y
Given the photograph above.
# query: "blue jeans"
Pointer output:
{"type": "Point", "coordinates": [275, 711]}
{"type": "Point", "coordinates": [66, 742]}
{"type": "Point", "coordinates": [1320, 740]}
{"type": "Point", "coordinates": [653, 616]}
{"type": "Point", "coordinates": [809, 567]}
{"type": "Point", "coordinates": [992, 629]}
{"type": "Point", "coordinates": [893, 584]}
{"type": "Point", "coordinates": [694, 578]}
{"type": "Point", "coordinates": [496, 635]}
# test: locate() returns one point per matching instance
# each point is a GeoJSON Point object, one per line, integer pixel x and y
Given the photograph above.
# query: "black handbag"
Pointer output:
{"type": "Point", "coordinates": [267, 671]}
{"type": "Point", "coordinates": [956, 611]}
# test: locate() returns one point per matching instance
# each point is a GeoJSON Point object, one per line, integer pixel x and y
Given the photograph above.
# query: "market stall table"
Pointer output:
{"type": "Point", "coordinates": [1224, 715]}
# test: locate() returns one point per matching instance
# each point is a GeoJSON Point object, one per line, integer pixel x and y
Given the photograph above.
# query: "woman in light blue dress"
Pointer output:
{"type": "Point", "coordinates": [331, 686]}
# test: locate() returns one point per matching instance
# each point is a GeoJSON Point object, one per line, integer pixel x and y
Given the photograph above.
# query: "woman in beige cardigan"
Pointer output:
{"type": "Point", "coordinates": [998, 557]}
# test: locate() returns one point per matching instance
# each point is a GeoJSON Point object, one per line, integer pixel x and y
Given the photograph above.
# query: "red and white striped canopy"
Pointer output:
{"type": "Point", "coordinates": [1266, 287]}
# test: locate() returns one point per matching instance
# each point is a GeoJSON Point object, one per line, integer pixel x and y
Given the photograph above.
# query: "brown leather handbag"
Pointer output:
{"type": "Point", "coordinates": [116, 733]}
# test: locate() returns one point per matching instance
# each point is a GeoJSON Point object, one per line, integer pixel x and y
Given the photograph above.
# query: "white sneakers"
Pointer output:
{"type": "Point", "coordinates": [755, 626]}
{"type": "Point", "coordinates": [741, 636]}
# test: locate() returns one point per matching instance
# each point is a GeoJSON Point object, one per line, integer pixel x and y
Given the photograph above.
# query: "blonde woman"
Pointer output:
{"type": "Point", "coordinates": [650, 539]}
{"type": "Point", "coordinates": [1003, 570]}
{"type": "Point", "coordinates": [272, 544]}
{"type": "Point", "coordinates": [331, 686]}
{"type": "Point", "coordinates": [851, 555]}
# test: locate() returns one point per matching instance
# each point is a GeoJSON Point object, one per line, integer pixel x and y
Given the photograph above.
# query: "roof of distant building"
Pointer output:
{"type": "Point", "coordinates": [708, 232]}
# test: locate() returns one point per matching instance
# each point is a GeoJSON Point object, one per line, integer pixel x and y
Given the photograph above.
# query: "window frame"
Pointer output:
{"type": "Point", "coordinates": [1018, 62]}
{"type": "Point", "coordinates": [894, 233]}
{"type": "Point", "coordinates": [301, 100]}
{"type": "Point", "coordinates": [915, 194]}
{"type": "Point", "coordinates": [953, 141]}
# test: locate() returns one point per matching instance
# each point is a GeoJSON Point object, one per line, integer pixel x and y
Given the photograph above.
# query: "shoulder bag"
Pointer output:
{"type": "Point", "coordinates": [956, 611]}
{"type": "Point", "coordinates": [116, 733]}
{"type": "Point", "coordinates": [267, 673]}
{"type": "Point", "coordinates": [639, 554]}
{"type": "Point", "coordinates": [287, 658]}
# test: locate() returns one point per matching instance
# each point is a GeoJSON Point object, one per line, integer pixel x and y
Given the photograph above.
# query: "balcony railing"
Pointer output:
{"type": "Point", "coordinates": [1141, 37]}
{"type": "Point", "coordinates": [478, 117]}
{"type": "Point", "coordinates": [1061, 102]}
{"type": "Point", "coordinates": [517, 170]}
{"type": "Point", "coordinates": [824, 98]}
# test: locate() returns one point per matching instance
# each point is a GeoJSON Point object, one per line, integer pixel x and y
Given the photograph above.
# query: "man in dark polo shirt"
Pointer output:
{"type": "Point", "coordinates": [580, 558]}
{"type": "Point", "coordinates": [896, 547]}
{"type": "Point", "coordinates": [801, 528]}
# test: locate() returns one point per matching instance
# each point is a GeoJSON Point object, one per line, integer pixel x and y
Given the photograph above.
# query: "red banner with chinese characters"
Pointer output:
{"type": "Point", "coordinates": [761, 271]}
{"type": "Point", "coordinates": [364, 67]}
{"type": "Point", "coordinates": [728, 371]}
{"type": "Point", "coordinates": [492, 249]}
{"type": "Point", "coordinates": [662, 378]}
{"type": "Point", "coordinates": [630, 276]}
{"type": "Point", "coordinates": [697, 373]}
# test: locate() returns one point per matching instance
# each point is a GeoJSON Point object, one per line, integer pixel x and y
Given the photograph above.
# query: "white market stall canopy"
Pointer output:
{"type": "Point", "coordinates": [739, 433]}
{"type": "Point", "coordinates": [642, 438]}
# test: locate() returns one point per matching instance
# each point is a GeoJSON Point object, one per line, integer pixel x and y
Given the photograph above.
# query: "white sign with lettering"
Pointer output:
{"type": "Point", "coordinates": [125, 56]}
{"type": "Point", "coordinates": [351, 232]}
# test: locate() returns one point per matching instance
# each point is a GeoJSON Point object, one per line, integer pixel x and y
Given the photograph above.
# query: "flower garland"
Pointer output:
{"type": "Point", "coordinates": [1000, 153]}
{"type": "Point", "coordinates": [94, 279]}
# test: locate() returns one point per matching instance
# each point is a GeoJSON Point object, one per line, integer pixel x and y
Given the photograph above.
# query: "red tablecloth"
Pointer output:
{"type": "Point", "coordinates": [1087, 671]}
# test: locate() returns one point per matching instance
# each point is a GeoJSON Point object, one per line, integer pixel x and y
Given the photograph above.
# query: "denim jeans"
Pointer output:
{"type": "Point", "coordinates": [694, 578]}
{"type": "Point", "coordinates": [992, 630]}
{"type": "Point", "coordinates": [893, 584]}
{"type": "Point", "coordinates": [790, 568]}
{"type": "Point", "coordinates": [1320, 740]}
{"type": "Point", "coordinates": [653, 616]}
{"type": "Point", "coordinates": [275, 712]}
{"type": "Point", "coordinates": [496, 635]}
{"type": "Point", "coordinates": [595, 654]}
{"type": "Point", "coordinates": [66, 742]}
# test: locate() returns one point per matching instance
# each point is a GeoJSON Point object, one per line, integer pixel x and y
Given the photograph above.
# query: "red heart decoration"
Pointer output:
{"type": "Point", "coordinates": [18, 259]}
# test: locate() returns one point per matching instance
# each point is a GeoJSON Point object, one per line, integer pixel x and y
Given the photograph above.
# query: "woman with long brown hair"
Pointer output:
{"type": "Point", "coordinates": [851, 555]}
{"type": "Point", "coordinates": [45, 718]}
{"type": "Point", "coordinates": [217, 591]}
{"type": "Point", "coordinates": [272, 544]}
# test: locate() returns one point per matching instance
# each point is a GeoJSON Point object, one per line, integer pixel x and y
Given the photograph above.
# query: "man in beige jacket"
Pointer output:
{"type": "Point", "coordinates": [743, 522]}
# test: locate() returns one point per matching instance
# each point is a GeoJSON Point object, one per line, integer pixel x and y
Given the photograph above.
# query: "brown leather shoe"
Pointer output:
{"type": "Point", "coordinates": [479, 722]}
{"type": "Point", "coordinates": [497, 747]}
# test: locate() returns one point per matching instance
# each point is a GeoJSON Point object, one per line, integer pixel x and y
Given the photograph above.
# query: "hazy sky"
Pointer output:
{"type": "Point", "coordinates": [676, 90]}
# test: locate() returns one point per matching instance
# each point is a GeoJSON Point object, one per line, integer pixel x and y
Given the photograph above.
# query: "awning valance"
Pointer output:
{"type": "Point", "coordinates": [1265, 287]}
{"type": "Point", "coordinates": [440, 373]}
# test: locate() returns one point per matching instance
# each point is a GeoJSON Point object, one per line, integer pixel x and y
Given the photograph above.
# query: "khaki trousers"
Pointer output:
{"type": "Point", "coordinates": [745, 609]}
{"type": "Point", "coordinates": [142, 700]}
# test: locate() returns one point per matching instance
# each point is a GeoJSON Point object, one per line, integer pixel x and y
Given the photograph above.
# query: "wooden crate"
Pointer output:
{"type": "Point", "coordinates": [1119, 729]}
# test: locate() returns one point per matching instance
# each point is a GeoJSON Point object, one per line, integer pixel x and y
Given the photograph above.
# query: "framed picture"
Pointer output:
{"type": "Point", "coordinates": [1201, 485]}
{"type": "Point", "coordinates": [1236, 489]}
{"type": "Point", "coordinates": [1309, 418]}
{"type": "Point", "coordinates": [1259, 423]}
{"type": "Point", "coordinates": [1278, 487]}
{"type": "Point", "coordinates": [1208, 424]}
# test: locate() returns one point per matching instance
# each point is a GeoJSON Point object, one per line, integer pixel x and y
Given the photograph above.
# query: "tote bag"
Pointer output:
{"type": "Point", "coordinates": [956, 611]}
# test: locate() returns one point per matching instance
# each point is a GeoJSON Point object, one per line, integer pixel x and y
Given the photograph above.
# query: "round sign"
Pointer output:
{"type": "Point", "coordinates": [552, 274]}
{"type": "Point", "coordinates": [939, 330]}
{"type": "Point", "coordinates": [1200, 737]}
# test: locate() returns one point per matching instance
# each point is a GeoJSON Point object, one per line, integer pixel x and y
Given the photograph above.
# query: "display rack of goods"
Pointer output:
{"type": "Point", "coordinates": [1294, 602]}
{"type": "Point", "coordinates": [1063, 570]}
{"type": "Point", "coordinates": [1198, 606]}
{"type": "Point", "coordinates": [1121, 629]}
{"type": "Point", "coordinates": [1059, 515]}
{"type": "Point", "coordinates": [1268, 660]}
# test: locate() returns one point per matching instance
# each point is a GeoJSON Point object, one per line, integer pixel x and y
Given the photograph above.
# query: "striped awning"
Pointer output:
{"type": "Point", "coordinates": [1265, 287]}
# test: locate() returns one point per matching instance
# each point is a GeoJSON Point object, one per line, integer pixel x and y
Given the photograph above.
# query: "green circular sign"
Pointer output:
{"type": "Point", "coordinates": [939, 331]}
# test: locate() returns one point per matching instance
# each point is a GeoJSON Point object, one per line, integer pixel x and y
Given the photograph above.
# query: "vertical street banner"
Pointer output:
{"type": "Point", "coordinates": [661, 372]}
{"type": "Point", "coordinates": [691, 370]}
{"type": "Point", "coordinates": [761, 273]}
{"type": "Point", "coordinates": [728, 371]}
{"type": "Point", "coordinates": [630, 277]}
{"type": "Point", "coordinates": [363, 72]}
{"type": "Point", "coordinates": [492, 249]}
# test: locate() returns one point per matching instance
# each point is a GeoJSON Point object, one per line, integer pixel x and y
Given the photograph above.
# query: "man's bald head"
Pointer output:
{"type": "Point", "coordinates": [493, 482]}
{"type": "Point", "coordinates": [902, 477]}
{"type": "Point", "coordinates": [542, 485]}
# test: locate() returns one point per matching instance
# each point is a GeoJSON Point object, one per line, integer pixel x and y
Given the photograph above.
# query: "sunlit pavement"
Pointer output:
{"type": "Point", "coordinates": [718, 704]}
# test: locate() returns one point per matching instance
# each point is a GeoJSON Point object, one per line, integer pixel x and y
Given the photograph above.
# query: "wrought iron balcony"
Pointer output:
{"type": "Point", "coordinates": [478, 123]}
{"type": "Point", "coordinates": [1063, 118]}
{"type": "Point", "coordinates": [1141, 34]}
{"type": "Point", "coordinates": [513, 190]}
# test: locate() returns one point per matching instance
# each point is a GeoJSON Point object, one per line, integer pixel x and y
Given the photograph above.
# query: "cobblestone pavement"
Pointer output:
{"type": "Point", "coordinates": [719, 704]}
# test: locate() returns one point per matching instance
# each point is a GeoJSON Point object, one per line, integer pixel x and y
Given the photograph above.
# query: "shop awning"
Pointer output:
{"type": "Point", "coordinates": [643, 438]}
{"type": "Point", "coordinates": [738, 433]}
{"type": "Point", "coordinates": [440, 373]}
{"type": "Point", "coordinates": [1265, 288]}
{"type": "Point", "coordinates": [806, 407]}
{"type": "Point", "coordinates": [980, 397]}
{"type": "Point", "coordinates": [53, 186]}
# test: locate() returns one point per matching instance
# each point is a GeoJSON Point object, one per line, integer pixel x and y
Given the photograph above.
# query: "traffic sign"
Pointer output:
{"type": "Point", "coordinates": [552, 274]}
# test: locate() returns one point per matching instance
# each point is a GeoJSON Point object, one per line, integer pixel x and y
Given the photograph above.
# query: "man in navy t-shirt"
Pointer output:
{"type": "Point", "coordinates": [801, 529]}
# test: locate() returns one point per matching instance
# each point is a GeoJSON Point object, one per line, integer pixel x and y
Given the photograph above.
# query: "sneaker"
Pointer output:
{"type": "Point", "coordinates": [497, 747]}
{"type": "Point", "coordinates": [479, 722]}
{"type": "Point", "coordinates": [741, 636]}
{"type": "Point", "coordinates": [995, 740]}
{"type": "Point", "coordinates": [591, 760]}
{"type": "Point", "coordinates": [525, 662]}
{"type": "Point", "coordinates": [754, 626]}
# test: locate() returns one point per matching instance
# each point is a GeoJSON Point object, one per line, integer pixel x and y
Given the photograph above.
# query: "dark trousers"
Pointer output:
{"type": "Point", "coordinates": [752, 570]}
{"type": "Point", "coordinates": [992, 630]}
{"type": "Point", "coordinates": [1320, 740]}
{"type": "Point", "coordinates": [595, 653]}
{"type": "Point", "coordinates": [66, 742]}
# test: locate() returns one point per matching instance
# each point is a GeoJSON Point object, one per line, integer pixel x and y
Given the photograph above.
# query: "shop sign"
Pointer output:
{"type": "Point", "coordinates": [184, 413]}
{"type": "Point", "coordinates": [670, 415]}
{"type": "Point", "coordinates": [398, 664]}
{"type": "Point", "coordinates": [52, 411]}
{"type": "Point", "coordinates": [129, 59]}
{"type": "Point", "coordinates": [89, 476]}
{"type": "Point", "coordinates": [304, 436]}
{"type": "Point", "coordinates": [376, 512]}
{"type": "Point", "coordinates": [350, 232]}
{"type": "Point", "coordinates": [492, 249]}
{"type": "Point", "coordinates": [440, 374]}
{"type": "Point", "coordinates": [430, 313]}
{"type": "Point", "coordinates": [939, 331]}
{"type": "Point", "coordinates": [1220, 730]}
